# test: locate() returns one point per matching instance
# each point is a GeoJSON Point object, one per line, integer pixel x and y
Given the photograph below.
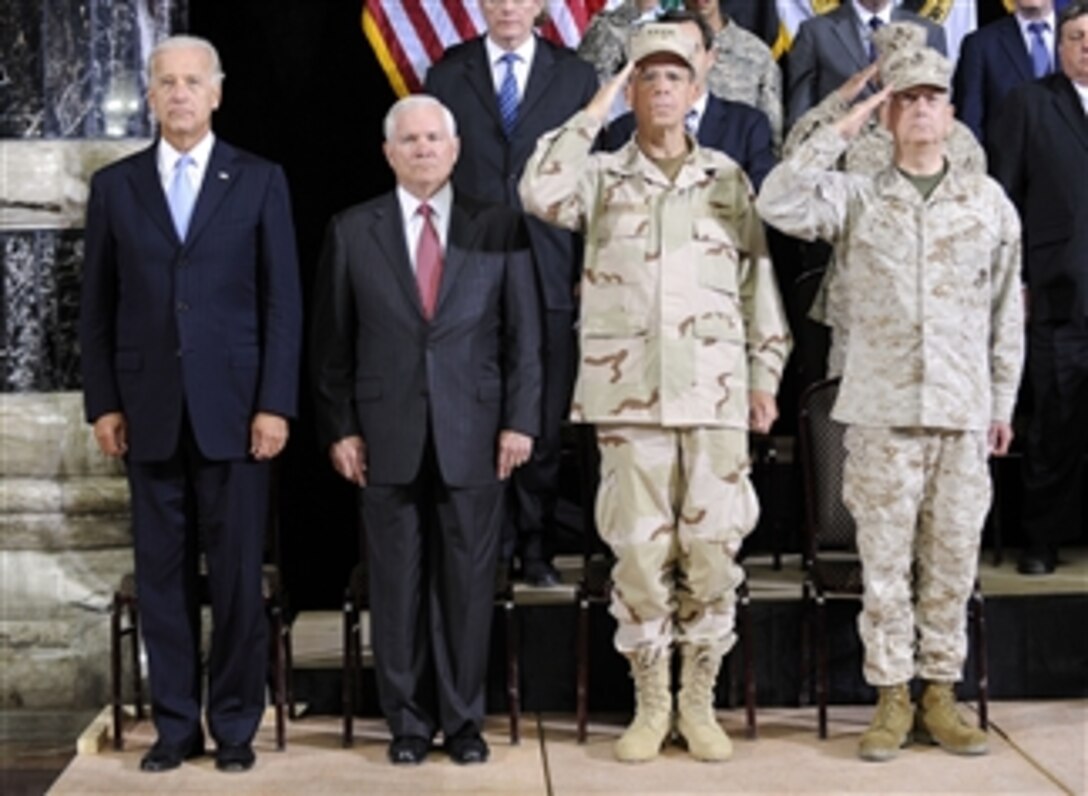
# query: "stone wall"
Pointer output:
{"type": "Point", "coordinates": [72, 90]}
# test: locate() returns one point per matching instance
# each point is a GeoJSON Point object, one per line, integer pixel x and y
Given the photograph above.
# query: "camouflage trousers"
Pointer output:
{"type": "Point", "coordinates": [919, 498]}
{"type": "Point", "coordinates": [674, 506]}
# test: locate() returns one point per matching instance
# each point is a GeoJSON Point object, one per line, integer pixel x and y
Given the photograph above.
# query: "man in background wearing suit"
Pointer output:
{"type": "Point", "coordinates": [190, 327]}
{"type": "Point", "coordinates": [831, 47]}
{"type": "Point", "coordinates": [738, 130]}
{"type": "Point", "coordinates": [1040, 155]}
{"type": "Point", "coordinates": [505, 89]}
{"type": "Point", "coordinates": [426, 363]}
{"type": "Point", "coordinates": [1000, 56]}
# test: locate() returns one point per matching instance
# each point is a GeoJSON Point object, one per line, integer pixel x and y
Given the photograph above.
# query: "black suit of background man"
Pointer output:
{"type": "Point", "coordinates": [491, 163]}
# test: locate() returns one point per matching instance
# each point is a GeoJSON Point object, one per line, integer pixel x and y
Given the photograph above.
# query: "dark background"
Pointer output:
{"type": "Point", "coordinates": [304, 89]}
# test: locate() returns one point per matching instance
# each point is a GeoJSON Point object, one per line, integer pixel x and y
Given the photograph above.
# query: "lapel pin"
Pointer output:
{"type": "Point", "coordinates": [224, 176]}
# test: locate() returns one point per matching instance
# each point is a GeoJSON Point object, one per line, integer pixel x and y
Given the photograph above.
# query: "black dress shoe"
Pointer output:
{"type": "Point", "coordinates": [467, 747]}
{"type": "Point", "coordinates": [541, 574]}
{"type": "Point", "coordinates": [165, 757]}
{"type": "Point", "coordinates": [234, 758]}
{"type": "Point", "coordinates": [408, 750]}
{"type": "Point", "coordinates": [1037, 561]}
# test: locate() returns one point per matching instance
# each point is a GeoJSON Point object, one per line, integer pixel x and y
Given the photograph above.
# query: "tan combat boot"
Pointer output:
{"type": "Point", "coordinates": [890, 729]}
{"type": "Point", "coordinates": [695, 705]}
{"type": "Point", "coordinates": [937, 721]}
{"type": "Point", "coordinates": [642, 740]}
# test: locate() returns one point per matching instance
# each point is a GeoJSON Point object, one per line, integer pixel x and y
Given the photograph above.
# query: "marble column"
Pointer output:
{"type": "Point", "coordinates": [72, 88]}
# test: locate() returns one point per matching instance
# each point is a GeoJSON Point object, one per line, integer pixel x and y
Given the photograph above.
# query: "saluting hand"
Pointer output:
{"type": "Point", "coordinates": [605, 97]}
{"type": "Point", "coordinates": [855, 119]}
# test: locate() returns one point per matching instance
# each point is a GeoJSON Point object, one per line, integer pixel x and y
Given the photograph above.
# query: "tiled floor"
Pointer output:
{"type": "Point", "coordinates": [1036, 748]}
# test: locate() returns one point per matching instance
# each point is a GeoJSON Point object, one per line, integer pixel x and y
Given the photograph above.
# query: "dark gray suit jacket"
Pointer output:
{"type": "Point", "coordinates": [490, 165]}
{"type": "Point", "coordinates": [828, 49]}
{"type": "Point", "coordinates": [381, 370]}
{"type": "Point", "coordinates": [1039, 153]}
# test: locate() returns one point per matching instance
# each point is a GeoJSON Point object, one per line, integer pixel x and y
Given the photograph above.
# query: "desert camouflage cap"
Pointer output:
{"type": "Point", "coordinates": [654, 38]}
{"type": "Point", "coordinates": [922, 66]}
{"type": "Point", "coordinates": [898, 36]}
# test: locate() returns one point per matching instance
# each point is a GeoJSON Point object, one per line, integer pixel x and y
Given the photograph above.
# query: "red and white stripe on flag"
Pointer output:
{"type": "Point", "coordinates": [407, 36]}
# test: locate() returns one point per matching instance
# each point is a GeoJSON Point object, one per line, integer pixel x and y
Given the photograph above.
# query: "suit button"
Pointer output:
{"type": "Point", "coordinates": [182, 306]}
{"type": "Point", "coordinates": [178, 352]}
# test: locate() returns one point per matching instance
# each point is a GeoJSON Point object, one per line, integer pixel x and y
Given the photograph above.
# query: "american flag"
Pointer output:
{"type": "Point", "coordinates": [409, 35]}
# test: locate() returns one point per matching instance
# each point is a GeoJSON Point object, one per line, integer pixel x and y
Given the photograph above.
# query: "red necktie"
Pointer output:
{"type": "Point", "coordinates": [428, 262]}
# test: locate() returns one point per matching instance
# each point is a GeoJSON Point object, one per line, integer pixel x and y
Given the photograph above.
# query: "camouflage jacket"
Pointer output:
{"type": "Point", "coordinates": [605, 42]}
{"type": "Point", "coordinates": [680, 312]}
{"type": "Point", "coordinates": [934, 309]}
{"type": "Point", "coordinates": [745, 71]}
{"type": "Point", "coordinates": [870, 153]}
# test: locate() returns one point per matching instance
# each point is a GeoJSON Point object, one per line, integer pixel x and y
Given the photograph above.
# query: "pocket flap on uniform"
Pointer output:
{"type": "Point", "coordinates": [616, 323]}
{"type": "Point", "coordinates": [715, 327]}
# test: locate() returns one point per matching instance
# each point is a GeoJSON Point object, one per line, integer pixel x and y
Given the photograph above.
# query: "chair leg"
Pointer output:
{"type": "Point", "coordinates": [582, 685]}
{"type": "Point", "coordinates": [279, 679]}
{"type": "Point", "coordinates": [746, 642]}
{"type": "Point", "coordinates": [115, 670]}
{"type": "Point", "coordinates": [995, 513]}
{"type": "Point", "coordinates": [134, 649]}
{"type": "Point", "coordinates": [513, 691]}
{"type": "Point", "coordinates": [806, 694]}
{"type": "Point", "coordinates": [822, 678]}
{"type": "Point", "coordinates": [289, 664]}
{"type": "Point", "coordinates": [347, 692]}
{"type": "Point", "coordinates": [982, 675]}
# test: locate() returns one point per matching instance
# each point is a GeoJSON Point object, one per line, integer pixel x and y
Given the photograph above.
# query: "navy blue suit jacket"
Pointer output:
{"type": "Point", "coordinates": [383, 371]}
{"type": "Point", "coordinates": [210, 326]}
{"type": "Point", "coordinates": [993, 61]}
{"type": "Point", "coordinates": [740, 131]}
{"type": "Point", "coordinates": [490, 165]}
{"type": "Point", "coordinates": [1039, 153]}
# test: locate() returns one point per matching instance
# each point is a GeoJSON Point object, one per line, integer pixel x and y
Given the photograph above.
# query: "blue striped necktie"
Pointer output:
{"type": "Point", "coordinates": [875, 24]}
{"type": "Point", "coordinates": [1040, 53]}
{"type": "Point", "coordinates": [508, 95]}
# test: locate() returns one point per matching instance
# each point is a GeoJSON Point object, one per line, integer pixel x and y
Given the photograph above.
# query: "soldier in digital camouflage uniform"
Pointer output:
{"type": "Point", "coordinates": [683, 341]}
{"type": "Point", "coordinates": [605, 41]}
{"type": "Point", "coordinates": [869, 153]}
{"type": "Point", "coordinates": [745, 69]}
{"type": "Point", "coordinates": [930, 256]}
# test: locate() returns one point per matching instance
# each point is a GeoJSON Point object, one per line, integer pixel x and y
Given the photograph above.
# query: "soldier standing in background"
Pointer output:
{"type": "Point", "coordinates": [931, 258]}
{"type": "Point", "coordinates": [745, 69]}
{"type": "Point", "coordinates": [868, 153]}
{"type": "Point", "coordinates": [683, 342]}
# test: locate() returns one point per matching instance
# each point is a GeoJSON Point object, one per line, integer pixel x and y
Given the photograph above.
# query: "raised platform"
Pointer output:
{"type": "Point", "coordinates": [1037, 646]}
{"type": "Point", "coordinates": [1035, 748]}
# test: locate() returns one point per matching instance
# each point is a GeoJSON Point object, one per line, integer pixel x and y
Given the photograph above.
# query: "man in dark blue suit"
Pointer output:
{"type": "Point", "coordinates": [426, 362]}
{"type": "Point", "coordinates": [190, 328]}
{"type": "Point", "coordinates": [1039, 153]}
{"type": "Point", "coordinates": [740, 131]}
{"type": "Point", "coordinates": [1000, 56]}
{"type": "Point", "coordinates": [505, 89]}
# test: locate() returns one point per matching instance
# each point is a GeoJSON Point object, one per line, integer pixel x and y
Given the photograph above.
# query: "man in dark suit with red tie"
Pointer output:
{"type": "Point", "coordinates": [190, 327]}
{"type": "Point", "coordinates": [1039, 153]}
{"type": "Point", "coordinates": [1000, 56]}
{"type": "Point", "coordinates": [505, 89]}
{"type": "Point", "coordinates": [426, 365]}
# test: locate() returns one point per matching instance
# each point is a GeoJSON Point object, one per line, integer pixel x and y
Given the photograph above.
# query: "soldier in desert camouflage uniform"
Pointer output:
{"type": "Point", "coordinates": [683, 341]}
{"type": "Point", "coordinates": [930, 257]}
{"type": "Point", "coordinates": [869, 153]}
{"type": "Point", "coordinates": [745, 69]}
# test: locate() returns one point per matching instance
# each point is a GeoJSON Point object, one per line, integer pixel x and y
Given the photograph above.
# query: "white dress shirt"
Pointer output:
{"type": "Point", "coordinates": [522, 63]}
{"type": "Point", "coordinates": [864, 16]}
{"type": "Point", "coordinates": [441, 204]}
{"type": "Point", "coordinates": [198, 165]}
{"type": "Point", "coordinates": [1082, 92]}
{"type": "Point", "coordinates": [1048, 34]}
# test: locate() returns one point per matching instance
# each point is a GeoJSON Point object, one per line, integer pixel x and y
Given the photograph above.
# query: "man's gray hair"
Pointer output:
{"type": "Point", "coordinates": [416, 101]}
{"type": "Point", "coordinates": [186, 43]}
